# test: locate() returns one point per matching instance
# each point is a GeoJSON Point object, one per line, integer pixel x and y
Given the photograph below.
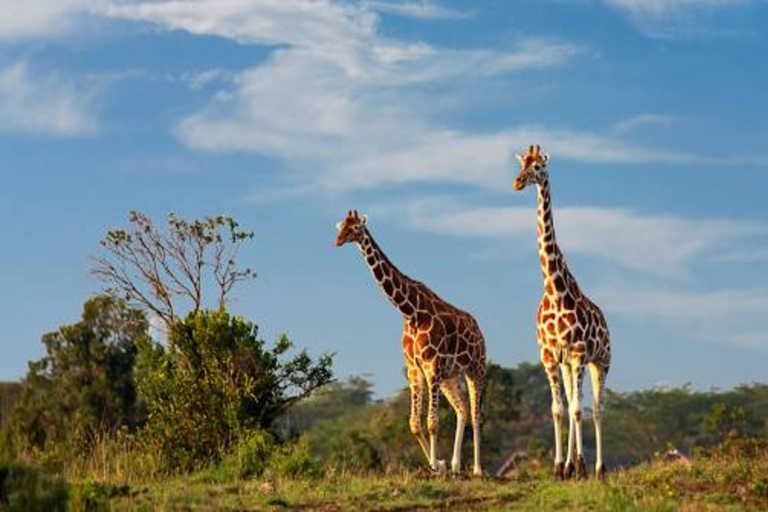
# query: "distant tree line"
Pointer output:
{"type": "Point", "coordinates": [349, 430]}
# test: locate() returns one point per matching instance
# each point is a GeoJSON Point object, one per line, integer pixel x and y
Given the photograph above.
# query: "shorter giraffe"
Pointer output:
{"type": "Point", "coordinates": [441, 344]}
{"type": "Point", "coordinates": [572, 331]}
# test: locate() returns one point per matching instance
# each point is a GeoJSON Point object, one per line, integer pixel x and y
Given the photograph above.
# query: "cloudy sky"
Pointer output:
{"type": "Point", "coordinates": [287, 113]}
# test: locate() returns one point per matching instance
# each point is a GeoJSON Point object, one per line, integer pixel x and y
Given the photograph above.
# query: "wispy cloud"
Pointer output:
{"type": "Point", "coordinates": [674, 19]}
{"type": "Point", "coordinates": [660, 249]}
{"type": "Point", "coordinates": [45, 104]}
{"type": "Point", "coordinates": [424, 9]}
{"type": "Point", "coordinates": [341, 102]}
{"type": "Point", "coordinates": [721, 316]}
{"type": "Point", "coordinates": [661, 8]}
{"type": "Point", "coordinates": [643, 121]}
{"type": "Point", "coordinates": [657, 244]}
{"type": "Point", "coordinates": [25, 19]}
{"type": "Point", "coordinates": [198, 80]}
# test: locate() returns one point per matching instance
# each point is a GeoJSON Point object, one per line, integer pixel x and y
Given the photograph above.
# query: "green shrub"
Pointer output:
{"type": "Point", "coordinates": [216, 382]}
{"type": "Point", "coordinates": [295, 461]}
{"type": "Point", "coordinates": [27, 489]}
{"type": "Point", "coordinates": [248, 458]}
{"type": "Point", "coordinates": [84, 386]}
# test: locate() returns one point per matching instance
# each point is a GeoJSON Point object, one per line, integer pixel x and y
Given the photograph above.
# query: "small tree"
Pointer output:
{"type": "Point", "coordinates": [216, 382]}
{"type": "Point", "coordinates": [161, 270]}
{"type": "Point", "coordinates": [84, 386]}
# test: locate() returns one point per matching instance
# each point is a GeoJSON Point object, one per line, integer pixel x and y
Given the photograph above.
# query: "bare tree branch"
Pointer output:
{"type": "Point", "coordinates": [157, 270]}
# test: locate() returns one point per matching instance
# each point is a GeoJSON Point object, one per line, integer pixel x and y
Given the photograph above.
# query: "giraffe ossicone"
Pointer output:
{"type": "Point", "coordinates": [571, 329]}
{"type": "Point", "coordinates": [441, 344]}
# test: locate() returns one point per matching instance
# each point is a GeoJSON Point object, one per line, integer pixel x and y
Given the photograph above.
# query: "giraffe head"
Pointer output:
{"type": "Point", "coordinates": [351, 228]}
{"type": "Point", "coordinates": [533, 168]}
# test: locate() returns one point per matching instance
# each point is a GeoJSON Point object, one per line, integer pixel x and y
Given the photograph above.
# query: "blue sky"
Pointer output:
{"type": "Point", "coordinates": [287, 113]}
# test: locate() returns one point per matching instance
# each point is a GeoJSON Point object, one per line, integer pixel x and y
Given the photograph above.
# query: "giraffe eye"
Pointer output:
{"type": "Point", "coordinates": [537, 167]}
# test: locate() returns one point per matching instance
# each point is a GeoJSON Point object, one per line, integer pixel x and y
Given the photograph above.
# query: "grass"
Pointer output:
{"type": "Point", "coordinates": [713, 483]}
{"type": "Point", "coordinates": [730, 478]}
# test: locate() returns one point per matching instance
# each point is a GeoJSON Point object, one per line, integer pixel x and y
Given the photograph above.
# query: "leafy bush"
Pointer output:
{"type": "Point", "coordinates": [296, 461]}
{"type": "Point", "coordinates": [25, 488]}
{"type": "Point", "coordinates": [248, 458]}
{"type": "Point", "coordinates": [216, 382]}
{"type": "Point", "coordinates": [84, 386]}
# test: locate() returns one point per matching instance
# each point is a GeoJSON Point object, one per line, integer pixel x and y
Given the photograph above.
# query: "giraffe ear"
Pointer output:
{"type": "Point", "coordinates": [364, 219]}
{"type": "Point", "coordinates": [338, 226]}
{"type": "Point", "coordinates": [519, 157]}
{"type": "Point", "coordinates": [545, 158]}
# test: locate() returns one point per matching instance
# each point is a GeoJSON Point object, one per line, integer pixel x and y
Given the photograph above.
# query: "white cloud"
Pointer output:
{"type": "Point", "coordinates": [720, 316]}
{"type": "Point", "coordinates": [424, 9]}
{"type": "Point", "coordinates": [198, 80]}
{"type": "Point", "coordinates": [658, 244]}
{"type": "Point", "coordinates": [676, 19]}
{"type": "Point", "coordinates": [44, 105]}
{"type": "Point", "coordinates": [661, 8]}
{"type": "Point", "coordinates": [24, 19]}
{"type": "Point", "coordinates": [342, 105]}
{"type": "Point", "coordinates": [642, 121]}
{"type": "Point", "coordinates": [657, 248]}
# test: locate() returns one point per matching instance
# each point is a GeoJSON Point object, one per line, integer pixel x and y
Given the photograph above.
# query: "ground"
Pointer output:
{"type": "Point", "coordinates": [730, 483]}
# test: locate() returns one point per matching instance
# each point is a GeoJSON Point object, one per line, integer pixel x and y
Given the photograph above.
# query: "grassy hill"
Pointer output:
{"type": "Point", "coordinates": [734, 477]}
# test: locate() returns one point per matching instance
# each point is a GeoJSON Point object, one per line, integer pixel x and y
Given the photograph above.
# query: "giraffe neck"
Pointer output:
{"type": "Point", "coordinates": [553, 267]}
{"type": "Point", "coordinates": [392, 282]}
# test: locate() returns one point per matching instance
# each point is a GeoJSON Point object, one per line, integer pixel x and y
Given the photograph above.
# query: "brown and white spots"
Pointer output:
{"type": "Point", "coordinates": [441, 343]}
{"type": "Point", "coordinates": [572, 331]}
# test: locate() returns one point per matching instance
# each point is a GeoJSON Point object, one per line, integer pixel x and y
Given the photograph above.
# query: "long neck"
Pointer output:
{"type": "Point", "coordinates": [552, 261]}
{"type": "Point", "coordinates": [391, 281]}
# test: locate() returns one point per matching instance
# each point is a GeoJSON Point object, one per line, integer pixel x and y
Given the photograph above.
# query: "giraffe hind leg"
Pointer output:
{"type": "Point", "coordinates": [452, 391]}
{"type": "Point", "coordinates": [551, 369]}
{"type": "Point", "coordinates": [570, 467]}
{"type": "Point", "coordinates": [575, 412]}
{"type": "Point", "coordinates": [598, 375]}
{"type": "Point", "coordinates": [475, 386]}
{"type": "Point", "coordinates": [432, 423]}
{"type": "Point", "coordinates": [415, 384]}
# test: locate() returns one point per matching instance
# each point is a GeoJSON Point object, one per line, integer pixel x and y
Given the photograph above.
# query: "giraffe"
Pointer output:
{"type": "Point", "coordinates": [441, 343]}
{"type": "Point", "coordinates": [571, 329]}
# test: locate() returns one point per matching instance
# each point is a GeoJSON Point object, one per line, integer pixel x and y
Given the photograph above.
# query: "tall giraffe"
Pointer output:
{"type": "Point", "coordinates": [440, 344]}
{"type": "Point", "coordinates": [572, 331]}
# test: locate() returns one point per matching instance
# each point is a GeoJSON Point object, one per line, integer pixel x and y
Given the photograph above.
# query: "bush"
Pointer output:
{"type": "Point", "coordinates": [295, 461]}
{"type": "Point", "coordinates": [249, 458]}
{"type": "Point", "coordinates": [84, 386]}
{"type": "Point", "coordinates": [25, 488]}
{"type": "Point", "coordinates": [217, 382]}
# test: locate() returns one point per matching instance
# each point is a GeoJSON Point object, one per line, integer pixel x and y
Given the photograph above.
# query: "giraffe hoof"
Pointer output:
{"type": "Point", "coordinates": [569, 470]}
{"type": "Point", "coordinates": [581, 468]}
{"type": "Point", "coordinates": [440, 468]}
{"type": "Point", "coordinates": [600, 472]}
{"type": "Point", "coordinates": [559, 471]}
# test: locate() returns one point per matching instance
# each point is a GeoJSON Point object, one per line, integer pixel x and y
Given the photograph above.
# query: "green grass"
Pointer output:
{"type": "Point", "coordinates": [715, 483]}
{"type": "Point", "coordinates": [732, 478]}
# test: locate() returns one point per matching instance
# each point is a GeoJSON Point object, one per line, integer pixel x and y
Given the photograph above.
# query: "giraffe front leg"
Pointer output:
{"type": "Point", "coordinates": [432, 422]}
{"type": "Point", "coordinates": [415, 385]}
{"type": "Point", "coordinates": [577, 375]}
{"type": "Point", "coordinates": [570, 468]}
{"type": "Point", "coordinates": [551, 369]}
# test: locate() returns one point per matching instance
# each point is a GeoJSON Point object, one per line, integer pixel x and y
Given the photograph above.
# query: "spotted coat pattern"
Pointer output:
{"type": "Point", "coordinates": [571, 329]}
{"type": "Point", "coordinates": [440, 342]}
